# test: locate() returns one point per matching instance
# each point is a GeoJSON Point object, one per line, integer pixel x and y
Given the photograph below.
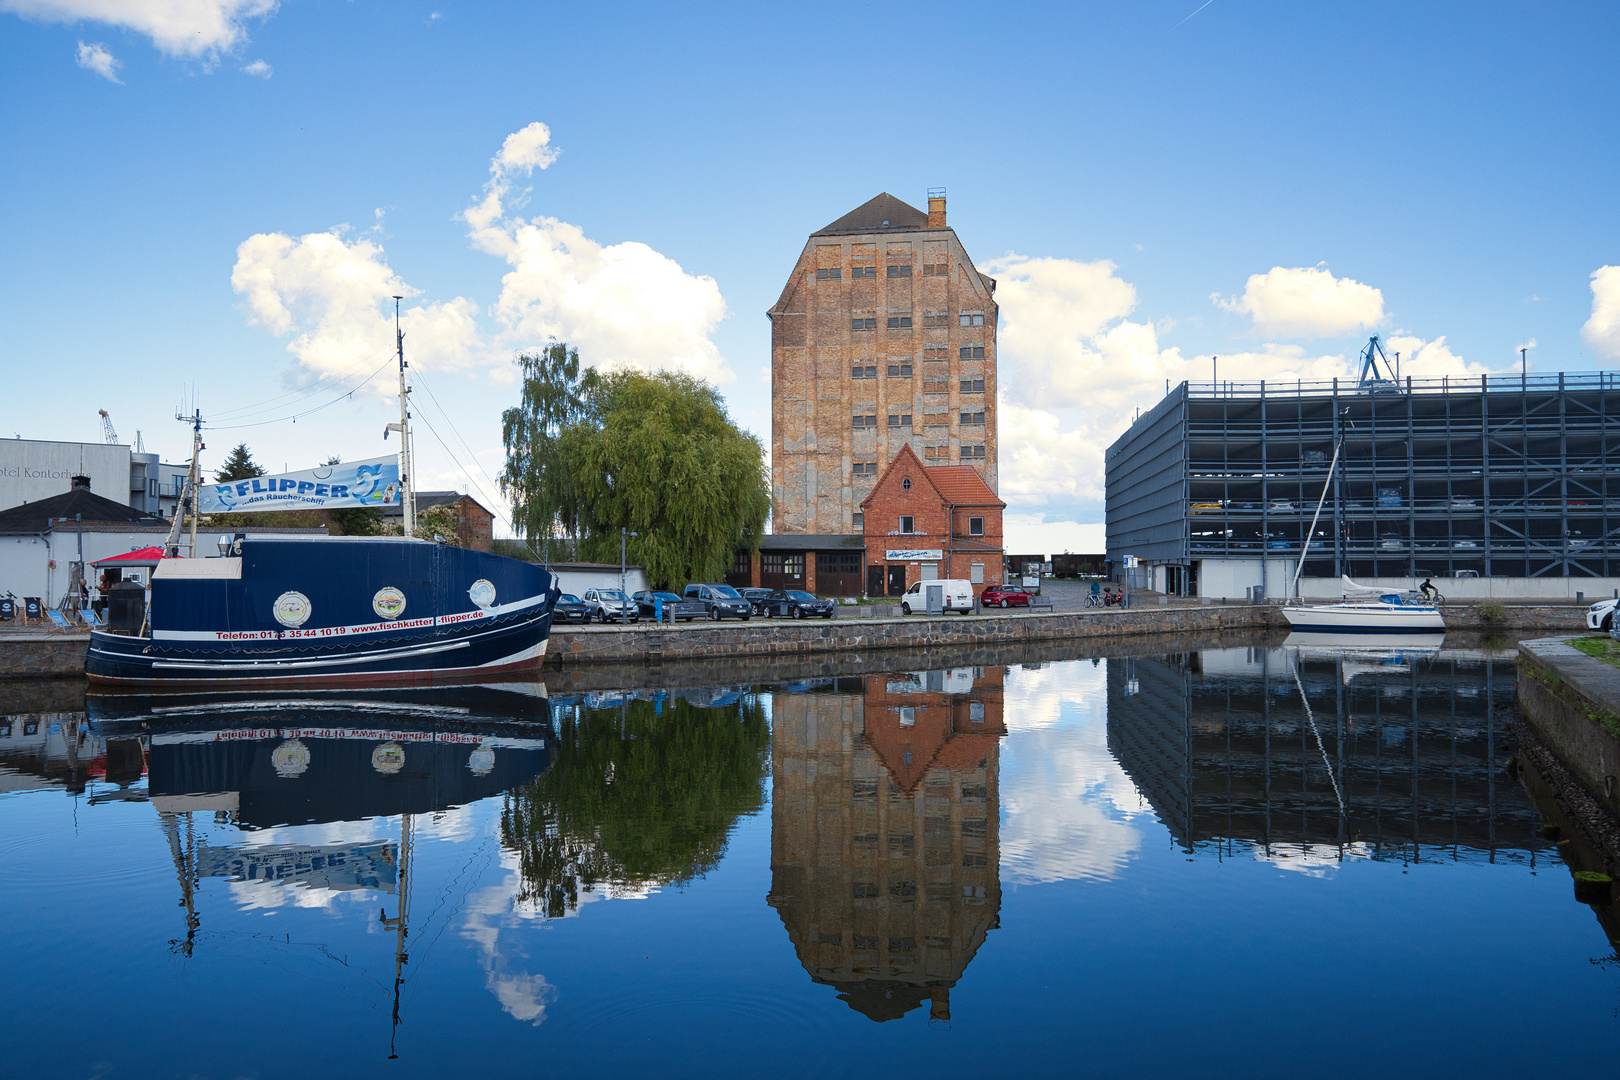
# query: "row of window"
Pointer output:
{"type": "Point", "coordinates": [894, 270]}
{"type": "Point", "coordinates": [973, 418]}
{"type": "Point", "coordinates": [860, 421]}
{"type": "Point", "coordinates": [931, 385]}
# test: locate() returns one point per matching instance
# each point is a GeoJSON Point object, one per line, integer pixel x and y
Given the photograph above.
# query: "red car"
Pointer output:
{"type": "Point", "coordinates": [1004, 596]}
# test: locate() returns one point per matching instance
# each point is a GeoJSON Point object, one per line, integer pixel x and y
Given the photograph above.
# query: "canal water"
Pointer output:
{"type": "Point", "coordinates": [1260, 860]}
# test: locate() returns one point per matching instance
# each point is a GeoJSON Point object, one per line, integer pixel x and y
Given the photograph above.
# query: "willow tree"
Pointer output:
{"type": "Point", "coordinates": [541, 493]}
{"type": "Point", "coordinates": [657, 457]}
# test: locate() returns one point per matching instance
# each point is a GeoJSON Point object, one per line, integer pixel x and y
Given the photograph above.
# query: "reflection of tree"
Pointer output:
{"type": "Point", "coordinates": [635, 797]}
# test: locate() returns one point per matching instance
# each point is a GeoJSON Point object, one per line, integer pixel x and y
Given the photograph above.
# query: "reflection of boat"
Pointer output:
{"type": "Point", "coordinates": [1367, 648]}
{"type": "Point", "coordinates": [279, 761]}
{"type": "Point", "coordinates": [1388, 613]}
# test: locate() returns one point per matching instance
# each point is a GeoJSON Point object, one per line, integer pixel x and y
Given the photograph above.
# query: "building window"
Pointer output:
{"type": "Point", "coordinates": [936, 269]}
{"type": "Point", "coordinates": [742, 564]}
{"type": "Point", "coordinates": [906, 523]}
{"type": "Point", "coordinates": [935, 384]}
{"type": "Point", "coordinates": [905, 485]}
{"type": "Point", "coordinates": [863, 372]}
{"type": "Point", "coordinates": [857, 521]}
{"type": "Point", "coordinates": [871, 324]}
{"type": "Point", "coordinates": [865, 422]}
{"type": "Point", "coordinates": [899, 322]}
{"type": "Point", "coordinates": [179, 485]}
{"type": "Point", "coordinates": [972, 450]}
{"type": "Point", "coordinates": [831, 273]}
{"type": "Point", "coordinates": [966, 352]}
{"type": "Point", "coordinates": [865, 468]}
{"type": "Point", "coordinates": [976, 708]}
{"type": "Point", "coordinates": [976, 528]}
{"type": "Point", "coordinates": [152, 488]}
{"type": "Point", "coordinates": [863, 271]}
{"type": "Point", "coordinates": [782, 564]}
{"type": "Point", "coordinates": [972, 386]}
{"type": "Point", "coordinates": [899, 371]}
{"type": "Point", "coordinates": [899, 271]}
{"type": "Point", "coordinates": [899, 419]}
{"type": "Point", "coordinates": [936, 318]}
{"type": "Point", "coordinates": [973, 418]}
{"type": "Point", "coordinates": [936, 452]}
{"type": "Point", "coordinates": [972, 318]}
{"type": "Point", "coordinates": [976, 573]}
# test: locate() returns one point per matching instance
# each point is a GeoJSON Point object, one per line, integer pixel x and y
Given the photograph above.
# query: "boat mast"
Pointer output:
{"type": "Point", "coordinates": [1310, 533]}
{"type": "Point", "coordinates": [188, 496]}
{"type": "Point", "coordinates": [407, 502]}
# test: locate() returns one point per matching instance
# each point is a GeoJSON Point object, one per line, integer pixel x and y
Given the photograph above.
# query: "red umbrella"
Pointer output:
{"type": "Point", "coordinates": [147, 556]}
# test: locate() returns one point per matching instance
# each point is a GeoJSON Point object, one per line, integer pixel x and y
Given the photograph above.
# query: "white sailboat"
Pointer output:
{"type": "Point", "coordinates": [1374, 611]}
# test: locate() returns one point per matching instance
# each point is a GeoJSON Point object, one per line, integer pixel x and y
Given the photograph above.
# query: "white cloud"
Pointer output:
{"type": "Point", "coordinates": [1304, 302]}
{"type": "Point", "coordinates": [96, 58]}
{"type": "Point", "coordinates": [334, 297]}
{"type": "Point", "coordinates": [1073, 369]}
{"type": "Point", "coordinates": [1428, 359]}
{"type": "Point", "coordinates": [1028, 534]}
{"type": "Point", "coordinates": [186, 28]}
{"type": "Point", "coordinates": [259, 69]}
{"type": "Point", "coordinates": [1602, 330]}
{"type": "Point", "coordinates": [621, 305]}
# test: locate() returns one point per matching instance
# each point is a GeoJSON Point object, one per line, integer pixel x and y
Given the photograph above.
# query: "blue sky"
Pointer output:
{"type": "Point", "coordinates": [1269, 182]}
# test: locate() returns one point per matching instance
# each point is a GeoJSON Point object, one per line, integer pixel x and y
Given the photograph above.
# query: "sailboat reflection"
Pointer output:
{"type": "Point", "coordinates": [884, 857]}
{"type": "Point", "coordinates": [263, 762]}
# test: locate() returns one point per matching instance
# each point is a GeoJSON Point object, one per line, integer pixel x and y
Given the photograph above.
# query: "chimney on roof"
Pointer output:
{"type": "Point", "coordinates": [936, 208]}
{"type": "Point", "coordinates": [80, 482]}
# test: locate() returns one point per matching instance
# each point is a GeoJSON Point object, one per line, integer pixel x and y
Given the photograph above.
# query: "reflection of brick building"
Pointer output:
{"type": "Point", "coordinates": [884, 856]}
{"type": "Point", "coordinates": [884, 336]}
{"type": "Point", "coordinates": [925, 522]}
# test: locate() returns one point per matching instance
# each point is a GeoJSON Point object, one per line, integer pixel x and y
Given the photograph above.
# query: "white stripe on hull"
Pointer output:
{"type": "Point", "coordinates": [1365, 618]}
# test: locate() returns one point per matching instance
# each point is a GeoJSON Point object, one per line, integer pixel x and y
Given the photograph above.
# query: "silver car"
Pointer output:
{"type": "Point", "coordinates": [610, 605]}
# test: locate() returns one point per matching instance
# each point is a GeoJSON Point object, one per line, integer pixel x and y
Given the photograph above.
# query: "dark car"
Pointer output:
{"type": "Point", "coordinates": [570, 608]}
{"type": "Point", "coordinates": [1004, 596]}
{"type": "Point", "coordinates": [757, 598]}
{"type": "Point", "coordinates": [797, 604]}
{"type": "Point", "coordinates": [644, 601]}
{"type": "Point", "coordinates": [721, 601]}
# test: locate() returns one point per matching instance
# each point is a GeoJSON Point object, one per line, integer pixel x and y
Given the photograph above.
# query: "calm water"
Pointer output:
{"type": "Point", "coordinates": [1140, 865]}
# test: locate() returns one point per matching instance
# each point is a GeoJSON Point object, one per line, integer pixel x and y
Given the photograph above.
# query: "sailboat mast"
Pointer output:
{"type": "Point", "coordinates": [407, 500]}
{"type": "Point", "coordinates": [1310, 533]}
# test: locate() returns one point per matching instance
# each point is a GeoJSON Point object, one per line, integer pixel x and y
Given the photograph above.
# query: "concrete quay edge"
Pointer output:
{"type": "Point", "coordinates": [1572, 701]}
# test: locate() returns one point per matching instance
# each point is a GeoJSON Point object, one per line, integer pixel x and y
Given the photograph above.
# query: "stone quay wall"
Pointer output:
{"type": "Point", "coordinates": [1573, 702]}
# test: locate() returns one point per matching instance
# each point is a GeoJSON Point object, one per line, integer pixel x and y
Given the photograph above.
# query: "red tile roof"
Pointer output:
{"type": "Point", "coordinates": [963, 486]}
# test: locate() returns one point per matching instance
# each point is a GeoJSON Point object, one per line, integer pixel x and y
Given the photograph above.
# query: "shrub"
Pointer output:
{"type": "Point", "coordinates": [1492, 610]}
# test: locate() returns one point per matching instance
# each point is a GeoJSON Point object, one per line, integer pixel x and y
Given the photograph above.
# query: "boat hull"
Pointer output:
{"type": "Point", "coordinates": [1365, 618]}
{"type": "Point", "coordinates": [323, 612]}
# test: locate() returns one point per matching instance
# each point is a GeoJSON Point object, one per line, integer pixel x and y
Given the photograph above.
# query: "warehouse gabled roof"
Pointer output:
{"type": "Point", "coordinates": [883, 213]}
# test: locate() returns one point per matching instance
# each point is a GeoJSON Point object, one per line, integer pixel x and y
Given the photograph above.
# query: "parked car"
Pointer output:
{"type": "Point", "coordinates": [610, 605]}
{"type": "Point", "coordinates": [1004, 596]}
{"type": "Point", "coordinates": [720, 601]}
{"type": "Point", "coordinates": [797, 604]}
{"type": "Point", "coordinates": [958, 595]}
{"type": "Point", "coordinates": [1393, 543]}
{"type": "Point", "coordinates": [1464, 504]}
{"type": "Point", "coordinates": [645, 605]}
{"type": "Point", "coordinates": [569, 608]}
{"type": "Point", "coordinates": [757, 599]}
{"type": "Point", "coordinates": [1600, 616]}
{"type": "Point", "coordinates": [1465, 545]}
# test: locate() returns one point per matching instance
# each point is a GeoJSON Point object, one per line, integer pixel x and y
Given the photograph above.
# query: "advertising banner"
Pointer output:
{"type": "Point", "coordinates": [914, 554]}
{"type": "Point", "coordinates": [329, 487]}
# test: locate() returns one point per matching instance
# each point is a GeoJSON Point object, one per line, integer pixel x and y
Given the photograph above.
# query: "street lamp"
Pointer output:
{"type": "Point", "coordinates": [624, 609]}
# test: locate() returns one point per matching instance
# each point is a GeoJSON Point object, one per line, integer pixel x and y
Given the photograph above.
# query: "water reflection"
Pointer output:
{"type": "Point", "coordinates": [884, 824]}
{"type": "Point", "coordinates": [1311, 755]}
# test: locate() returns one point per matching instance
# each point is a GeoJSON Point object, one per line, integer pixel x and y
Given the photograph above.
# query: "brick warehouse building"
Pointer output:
{"type": "Point", "coordinates": [884, 337]}
{"type": "Point", "coordinates": [924, 523]}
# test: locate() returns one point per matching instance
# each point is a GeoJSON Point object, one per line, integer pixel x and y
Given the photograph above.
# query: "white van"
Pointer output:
{"type": "Point", "coordinates": [958, 595]}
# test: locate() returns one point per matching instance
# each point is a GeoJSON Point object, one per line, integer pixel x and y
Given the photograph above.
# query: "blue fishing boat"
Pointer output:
{"type": "Point", "coordinates": [303, 611]}
{"type": "Point", "coordinates": [332, 610]}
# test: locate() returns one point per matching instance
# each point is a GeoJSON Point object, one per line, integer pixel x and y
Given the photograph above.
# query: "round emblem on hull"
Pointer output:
{"type": "Point", "coordinates": [482, 593]}
{"type": "Point", "coordinates": [389, 603]}
{"type": "Point", "coordinates": [388, 757]}
{"type": "Point", "coordinates": [292, 609]}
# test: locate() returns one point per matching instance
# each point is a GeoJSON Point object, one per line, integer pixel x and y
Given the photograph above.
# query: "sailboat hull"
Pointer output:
{"type": "Point", "coordinates": [1367, 618]}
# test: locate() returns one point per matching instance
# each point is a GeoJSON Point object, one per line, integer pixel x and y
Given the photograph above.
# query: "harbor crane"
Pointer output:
{"type": "Point", "coordinates": [108, 435]}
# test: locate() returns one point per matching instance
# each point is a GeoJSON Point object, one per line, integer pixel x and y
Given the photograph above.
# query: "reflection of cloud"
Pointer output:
{"type": "Point", "coordinates": [1066, 804]}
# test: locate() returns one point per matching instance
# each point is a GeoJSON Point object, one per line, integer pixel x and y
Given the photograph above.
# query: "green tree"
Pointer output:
{"type": "Point", "coordinates": [239, 465]}
{"type": "Point", "coordinates": [657, 455]}
{"type": "Point", "coordinates": [539, 491]}
{"type": "Point", "coordinates": [638, 796]}
{"type": "Point", "coordinates": [441, 524]}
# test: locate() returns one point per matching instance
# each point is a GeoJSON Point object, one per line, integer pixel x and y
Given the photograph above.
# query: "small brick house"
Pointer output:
{"type": "Point", "coordinates": [922, 523]}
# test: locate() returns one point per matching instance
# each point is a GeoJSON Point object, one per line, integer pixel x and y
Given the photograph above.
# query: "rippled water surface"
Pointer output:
{"type": "Point", "coordinates": [1253, 861]}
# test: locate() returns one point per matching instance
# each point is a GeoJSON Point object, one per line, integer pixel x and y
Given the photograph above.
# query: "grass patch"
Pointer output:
{"type": "Point", "coordinates": [1600, 648]}
{"type": "Point", "coordinates": [1492, 610]}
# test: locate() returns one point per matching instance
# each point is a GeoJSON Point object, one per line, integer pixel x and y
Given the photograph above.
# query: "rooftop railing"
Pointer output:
{"type": "Point", "coordinates": [1457, 384]}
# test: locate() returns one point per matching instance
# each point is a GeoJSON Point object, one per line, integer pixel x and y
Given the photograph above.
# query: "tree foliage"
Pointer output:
{"type": "Point", "coordinates": [657, 455]}
{"type": "Point", "coordinates": [539, 491]}
{"type": "Point", "coordinates": [441, 524]}
{"type": "Point", "coordinates": [239, 465]}
{"type": "Point", "coordinates": [642, 796]}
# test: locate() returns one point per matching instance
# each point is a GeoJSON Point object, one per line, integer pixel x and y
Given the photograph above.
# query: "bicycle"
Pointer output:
{"type": "Point", "coordinates": [1433, 596]}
